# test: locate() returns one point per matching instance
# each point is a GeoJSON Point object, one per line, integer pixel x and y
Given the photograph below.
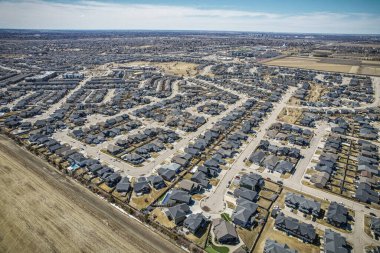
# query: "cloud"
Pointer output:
{"type": "Point", "coordinates": [38, 14]}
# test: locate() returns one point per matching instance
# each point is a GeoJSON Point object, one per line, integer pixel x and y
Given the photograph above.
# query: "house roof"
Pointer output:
{"type": "Point", "coordinates": [334, 242]}
{"type": "Point", "coordinates": [194, 221]}
{"type": "Point", "coordinates": [223, 229]}
{"type": "Point", "coordinates": [179, 211]}
{"type": "Point", "coordinates": [272, 246]}
{"type": "Point", "coordinates": [303, 202]}
{"type": "Point", "coordinates": [297, 227]}
{"type": "Point", "coordinates": [180, 196]}
{"type": "Point", "coordinates": [245, 193]}
{"type": "Point", "coordinates": [337, 213]}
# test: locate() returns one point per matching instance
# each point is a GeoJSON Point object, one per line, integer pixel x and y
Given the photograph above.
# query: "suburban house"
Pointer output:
{"type": "Point", "coordinates": [365, 193]}
{"type": "Point", "coordinates": [320, 179]}
{"type": "Point", "coordinates": [167, 174]}
{"type": "Point", "coordinates": [141, 186]}
{"type": "Point", "coordinates": [194, 222]}
{"type": "Point", "coordinates": [375, 226]}
{"type": "Point", "coordinates": [124, 185]}
{"type": "Point", "coordinates": [303, 231]}
{"type": "Point", "coordinates": [189, 186]}
{"type": "Point", "coordinates": [244, 212]}
{"type": "Point", "coordinates": [252, 181]}
{"type": "Point", "coordinates": [303, 204]}
{"type": "Point", "coordinates": [179, 196]}
{"type": "Point", "coordinates": [178, 213]}
{"type": "Point", "coordinates": [272, 246]}
{"type": "Point", "coordinates": [337, 215]}
{"type": "Point", "coordinates": [157, 182]}
{"type": "Point", "coordinates": [334, 242]}
{"type": "Point", "coordinates": [245, 194]}
{"type": "Point", "coordinates": [224, 232]}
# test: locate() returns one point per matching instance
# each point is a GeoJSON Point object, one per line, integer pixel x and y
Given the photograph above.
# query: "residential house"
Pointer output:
{"type": "Point", "coordinates": [303, 204]}
{"type": "Point", "coordinates": [224, 232]}
{"type": "Point", "coordinates": [245, 194]}
{"type": "Point", "coordinates": [244, 212]}
{"type": "Point", "coordinates": [272, 246]}
{"type": "Point", "coordinates": [195, 222]}
{"type": "Point", "coordinates": [375, 226]}
{"type": "Point", "coordinates": [303, 231]}
{"type": "Point", "coordinates": [178, 213]}
{"type": "Point", "coordinates": [335, 242]}
{"type": "Point", "coordinates": [337, 215]}
{"type": "Point", "coordinates": [189, 186]}
{"type": "Point", "coordinates": [252, 181]}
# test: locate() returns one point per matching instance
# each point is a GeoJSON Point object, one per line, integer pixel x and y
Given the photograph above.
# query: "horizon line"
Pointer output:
{"type": "Point", "coordinates": [181, 30]}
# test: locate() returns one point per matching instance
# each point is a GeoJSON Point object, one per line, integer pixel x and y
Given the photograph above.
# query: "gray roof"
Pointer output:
{"type": "Point", "coordinates": [337, 213]}
{"type": "Point", "coordinates": [180, 196]}
{"type": "Point", "coordinates": [179, 211]}
{"type": "Point", "coordinates": [297, 227]}
{"type": "Point", "coordinates": [194, 221]}
{"type": "Point", "coordinates": [334, 242]}
{"type": "Point", "coordinates": [245, 193]}
{"type": "Point", "coordinates": [272, 246]}
{"type": "Point", "coordinates": [301, 202]}
{"type": "Point", "coordinates": [223, 229]}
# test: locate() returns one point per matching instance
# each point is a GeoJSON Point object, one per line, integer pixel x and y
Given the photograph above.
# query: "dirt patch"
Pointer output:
{"type": "Point", "coordinates": [328, 64]}
{"type": "Point", "coordinates": [289, 115]}
{"type": "Point", "coordinates": [184, 69]}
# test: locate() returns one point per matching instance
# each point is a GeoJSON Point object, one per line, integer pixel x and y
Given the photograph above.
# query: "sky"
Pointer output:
{"type": "Point", "coordinates": [294, 16]}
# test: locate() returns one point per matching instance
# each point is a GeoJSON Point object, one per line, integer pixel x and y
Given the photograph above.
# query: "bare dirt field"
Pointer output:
{"type": "Point", "coordinates": [327, 64]}
{"type": "Point", "coordinates": [185, 69]}
{"type": "Point", "coordinates": [42, 211]}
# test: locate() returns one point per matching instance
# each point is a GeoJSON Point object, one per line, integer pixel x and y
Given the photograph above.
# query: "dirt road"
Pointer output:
{"type": "Point", "coordinates": [42, 211]}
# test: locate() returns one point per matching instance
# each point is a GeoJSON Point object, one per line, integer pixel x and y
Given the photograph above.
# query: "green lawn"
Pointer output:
{"type": "Point", "coordinates": [216, 249]}
{"type": "Point", "coordinates": [226, 217]}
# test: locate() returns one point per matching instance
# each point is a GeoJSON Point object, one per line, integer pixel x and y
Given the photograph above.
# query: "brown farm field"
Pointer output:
{"type": "Point", "coordinates": [185, 69]}
{"type": "Point", "coordinates": [43, 211]}
{"type": "Point", "coordinates": [327, 64]}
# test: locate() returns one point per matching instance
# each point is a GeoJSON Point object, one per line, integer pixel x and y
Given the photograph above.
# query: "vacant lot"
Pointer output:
{"type": "Point", "coordinates": [42, 211]}
{"type": "Point", "coordinates": [173, 68]}
{"type": "Point", "coordinates": [328, 64]}
{"type": "Point", "coordinates": [309, 63]}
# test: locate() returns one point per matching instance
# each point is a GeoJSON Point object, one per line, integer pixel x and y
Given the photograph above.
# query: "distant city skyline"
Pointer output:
{"type": "Point", "coordinates": [294, 16]}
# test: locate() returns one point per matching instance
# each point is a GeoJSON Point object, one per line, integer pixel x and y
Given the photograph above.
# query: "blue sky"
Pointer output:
{"type": "Point", "coordinates": [306, 16]}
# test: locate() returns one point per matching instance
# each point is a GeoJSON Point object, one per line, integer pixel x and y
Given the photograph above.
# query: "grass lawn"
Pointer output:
{"type": "Point", "coordinates": [121, 196]}
{"type": "Point", "coordinates": [226, 217]}
{"type": "Point", "coordinates": [367, 223]}
{"type": "Point", "coordinates": [161, 218]}
{"type": "Point", "coordinates": [249, 236]}
{"type": "Point", "coordinates": [214, 181]}
{"type": "Point", "coordinates": [272, 186]}
{"type": "Point", "coordinates": [200, 237]}
{"type": "Point", "coordinates": [266, 194]}
{"type": "Point", "coordinates": [198, 196]}
{"type": "Point", "coordinates": [216, 249]}
{"type": "Point", "coordinates": [105, 187]}
{"type": "Point", "coordinates": [140, 202]}
{"type": "Point", "coordinates": [264, 203]}
{"type": "Point", "coordinates": [230, 205]}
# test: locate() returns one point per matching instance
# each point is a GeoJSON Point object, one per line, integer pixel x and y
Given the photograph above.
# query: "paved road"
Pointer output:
{"type": "Point", "coordinates": [215, 201]}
